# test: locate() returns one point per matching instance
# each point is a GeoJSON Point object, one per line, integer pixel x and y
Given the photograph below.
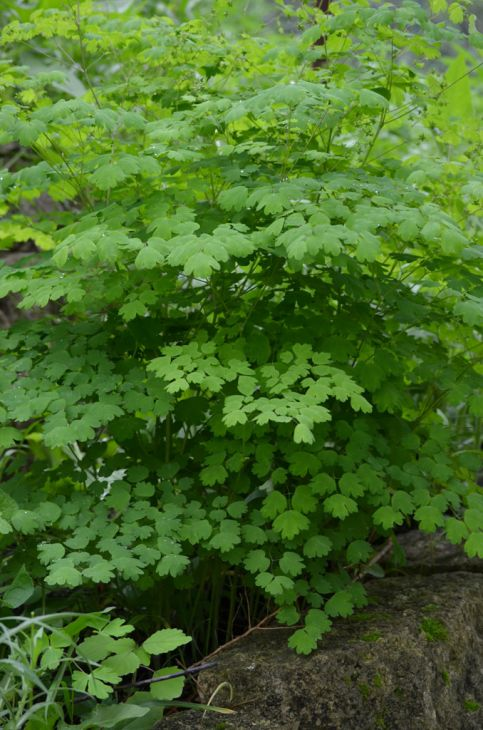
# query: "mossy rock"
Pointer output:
{"type": "Point", "coordinates": [423, 671]}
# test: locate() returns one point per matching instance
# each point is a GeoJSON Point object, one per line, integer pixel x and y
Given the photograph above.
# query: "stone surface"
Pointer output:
{"type": "Point", "coordinates": [411, 660]}
{"type": "Point", "coordinates": [432, 553]}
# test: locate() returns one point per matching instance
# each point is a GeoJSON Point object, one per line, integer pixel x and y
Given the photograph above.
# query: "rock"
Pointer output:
{"type": "Point", "coordinates": [412, 660]}
{"type": "Point", "coordinates": [432, 553]}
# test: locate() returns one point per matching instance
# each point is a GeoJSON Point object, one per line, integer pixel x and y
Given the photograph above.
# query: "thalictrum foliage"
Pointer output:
{"type": "Point", "coordinates": [260, 290]}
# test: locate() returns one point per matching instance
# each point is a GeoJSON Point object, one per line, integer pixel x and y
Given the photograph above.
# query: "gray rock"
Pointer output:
{"type": "Point", "coordinates": [412, 660]}
{"type": "Point", "coordinates": [432, 553]}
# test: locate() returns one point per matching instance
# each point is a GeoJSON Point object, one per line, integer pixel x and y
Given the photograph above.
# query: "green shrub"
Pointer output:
{"type": "Point", "coordinates": [262, 306]}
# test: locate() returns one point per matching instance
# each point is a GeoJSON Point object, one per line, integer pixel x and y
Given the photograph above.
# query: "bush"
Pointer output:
{"type": "Point", "coordinates": [263, 309]}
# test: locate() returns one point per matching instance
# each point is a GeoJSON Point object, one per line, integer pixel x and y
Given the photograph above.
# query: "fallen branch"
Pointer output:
{"type": "Point", "coordinates": [376, 558]}
{"type": "Point", "coordinates": [244, 635]}
{"type": "Point", "coordinates": [182, 673]}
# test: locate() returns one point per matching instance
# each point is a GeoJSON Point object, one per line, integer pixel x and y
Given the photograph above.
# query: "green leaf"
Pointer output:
{"type": "Point", "coordinates": [235, 417]}
{"type": "Point", "coordinates": [279, 585]}
{"type": "Point", "coordinates": [227, 538]}
{"type": "Point", "coordinates": [117, 627]}
{"type": "Point", "coordinates": [473, 518]}
{"type": "Point", "coordinates": [350, 485]}
{"type": "Point", "coordinates": [275, 585]}
{"type": "Point", "coordinates": [456, 530]}
{"type": "Point", "coordinates": [8, 436]}
{"type": "Point", "coordinates": [132, 309]}
{"type": "Point", "coordinates": [106, 675]}
{"type": "Point", "coordinates": [97, 647]}
{"type": "Point", "coordinates": [458, 92]}
{"type": "Point", "coordinates": [48, 512]}
{"type": "Point", "coordinates": [172, 565]}
{"type": "Point", "coordinates": [359, 551]}
{"type": "Point", "coordinates": [431, 232]}
{"type": "Point", "coordinates": [474, 545]}
{"type": "Point", "coordinates": [100, 572]}
{"type": "Point", "coordinates": [476, 404]}
{"type": "Point", "coordinates": [237, 509]}
{"type": "Point", "coordinates": [5, 527]}
{"type": "Point", "coordinates": [318, 619]}
{"type": "Point", "coordinates": [234, 198]}
{"type": "Point", "coordinates": [246, 385]}
{"type": "Point", "coordinates": [256, 561]}
{"type": "Point", "coordinates": [323, 484]}
{"type": "Point", "coordinates": [438, 6]}
{"type": "Point", "coordinates": [20, 590]}
{"type": "Point", "coordinates": [50, 658]}
{"type": "Point", "coordinates": [429, 518]}
{"type": "Point", "coordinates": [303, 499]}
{"type": "Point", "coordinates": [165, 640]}
{"type": "Point", "coordinates": [373, 100]}
{"type": "Point", "coordinates": [108, 176]}
{"type": "Point", "coordinates": [387, 517]}
{"type": "Point", "coordinates": [304, 641]}
{"type": "Point", "coordinates": [253, 535]}
{"type": "Point", "coordinates": [303, 434]}
{"type": "Point", "coordinates": [291, 563]}
{"type": "Point", "coordinates": [453, 241]}
{"type": "Point", "coordinates": [368, 247]}
{"type": "Point", "coordinates": [195, 531]}
{"type": "Point", "coordinates": [290, 523]}
{"type": "Point", "coordinates": [317, 546]}
{"type": "Point", "coordinates": [169, 689]}
{"type": "Point", "coordinates": [456, 15]}
{"type": "Point", "coordinates": [340, 506]}
{"type": "Point", "coordinates": [148, 258]}
{"type": "Point", "coordinates": [25, 521]}
{"type": "Point", "coordinates": [63, 573]}
{"type": "Point", "coordinates": [79, 680]}
{"type": "Point", "coordinates": [201, 265]}
{"type": "Point", "coordinates": [211, 475]}
{"type": "Point", "coordinates": [119, 496]}
{"type": "Point", "coordinates": [274, 504]}
{"type": "Point", "coordinates": [288, 615]}
{"type": "Point", "coordinates": [107, 716]}
{"type": "Point", "coordinates": [122, 663]}
{"type": "Point", "coordinates": [471, 310]}
{"type": "Point", "coordinates": [28, 133]}
{"type": "Point", "coordinates": [409, 229]}
{"type": "Point", "coordinates": [402, 502]}
{"type": "Point", "coordinates": [340, 604]}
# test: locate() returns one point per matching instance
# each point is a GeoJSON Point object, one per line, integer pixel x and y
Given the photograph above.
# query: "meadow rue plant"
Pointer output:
{"type": "Point", "coordinates": [259, 282]}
